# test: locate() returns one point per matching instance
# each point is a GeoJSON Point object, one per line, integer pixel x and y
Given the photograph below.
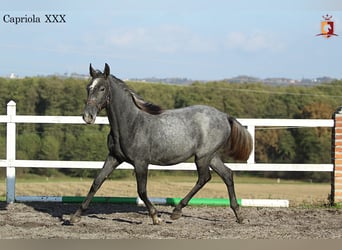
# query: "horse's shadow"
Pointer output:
{"type": "Point", "coordinates": [95, 210]}
{"type": "Point", "coordinates": [63, 211]}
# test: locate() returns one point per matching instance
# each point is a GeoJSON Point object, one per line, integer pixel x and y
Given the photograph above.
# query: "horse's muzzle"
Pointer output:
{"type": "Point", "coordinates": [89, 115]}
{"type": "Point", "coordinates": [89, 118]}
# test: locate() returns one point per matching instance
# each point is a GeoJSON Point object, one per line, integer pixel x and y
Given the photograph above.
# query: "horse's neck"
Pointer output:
{"type": "Point", "coordinates": [121, 110]}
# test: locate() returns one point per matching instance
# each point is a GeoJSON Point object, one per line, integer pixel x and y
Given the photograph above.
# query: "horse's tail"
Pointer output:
{"type": "Point", "coordinates": [240, 142]}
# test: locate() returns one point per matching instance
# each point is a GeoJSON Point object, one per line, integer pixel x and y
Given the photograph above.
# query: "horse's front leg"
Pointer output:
{"type": "Point", "coordinates": [110, 164]}
{"type": "Point", "coordinates": [141, 177]}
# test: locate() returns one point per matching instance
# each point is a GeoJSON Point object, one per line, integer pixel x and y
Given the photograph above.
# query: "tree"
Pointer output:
{"type": "Point", "coordinates": [28, 146]}
{"type": "Point", "coordinates": [50, 148]}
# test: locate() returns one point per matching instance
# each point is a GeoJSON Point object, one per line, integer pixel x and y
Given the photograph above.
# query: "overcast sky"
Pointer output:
{"type": "Point", "coordinates": [208, 39]}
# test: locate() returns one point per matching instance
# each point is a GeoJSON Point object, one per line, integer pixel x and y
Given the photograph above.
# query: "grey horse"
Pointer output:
{"type": "Point", "coordinates": [142, 133]}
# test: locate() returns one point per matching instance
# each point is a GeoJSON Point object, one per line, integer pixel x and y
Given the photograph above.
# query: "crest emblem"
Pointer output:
{"type": "Point", "coordinates": [327, 27]}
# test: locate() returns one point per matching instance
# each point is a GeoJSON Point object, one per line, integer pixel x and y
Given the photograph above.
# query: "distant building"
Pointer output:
{"type": "Point", "coordinates": [13, 76]}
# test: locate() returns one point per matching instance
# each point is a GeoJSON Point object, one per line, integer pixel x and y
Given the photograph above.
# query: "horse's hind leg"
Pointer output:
{"type": "Point", "coordinates": [203, 177]}
{"type": "Point", "coordinates": [227, 176]}
{"type": "Point", "coordinates": [110, 164]}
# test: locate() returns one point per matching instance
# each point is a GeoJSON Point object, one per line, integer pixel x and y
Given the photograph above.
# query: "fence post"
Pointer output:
{"type": "Point", "coordinates": [251, 130]}
{"type": "Point", "coordinates": [10, 152]}
{"type": "Point", "coordinates": [336, 176]}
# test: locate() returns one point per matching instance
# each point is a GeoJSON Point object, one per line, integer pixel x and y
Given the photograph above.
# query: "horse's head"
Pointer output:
{"type": "Point", "coordinates": [98, 93]}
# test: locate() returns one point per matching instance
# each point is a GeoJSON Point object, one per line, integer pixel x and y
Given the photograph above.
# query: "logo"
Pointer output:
{"type": "Point", "coordinates": [327, 27]}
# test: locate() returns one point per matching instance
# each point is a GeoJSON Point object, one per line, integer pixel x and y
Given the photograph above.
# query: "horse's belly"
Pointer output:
{"type": "Point", "coordinates": [172, 151]}
{"type": "Point", "coordinates": [165, 161]}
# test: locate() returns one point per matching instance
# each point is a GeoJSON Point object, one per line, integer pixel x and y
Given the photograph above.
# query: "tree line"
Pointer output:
{"type": "Point", "coordinates": [54, 96]}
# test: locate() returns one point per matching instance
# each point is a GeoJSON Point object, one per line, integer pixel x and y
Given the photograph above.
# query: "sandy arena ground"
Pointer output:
{"type": "Point", "coordinates": [108, 221]}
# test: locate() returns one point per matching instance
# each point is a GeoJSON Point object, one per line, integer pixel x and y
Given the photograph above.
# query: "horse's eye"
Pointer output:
{"type": "Point", "coordinates": [102, 89]}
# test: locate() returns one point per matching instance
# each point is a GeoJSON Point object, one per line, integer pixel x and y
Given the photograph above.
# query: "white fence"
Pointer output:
{"type": "Point", "coordinates": [11, 119]}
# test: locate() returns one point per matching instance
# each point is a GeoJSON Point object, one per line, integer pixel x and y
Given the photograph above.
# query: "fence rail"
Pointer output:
{"type": "Point", "coordinates": [11, 119]}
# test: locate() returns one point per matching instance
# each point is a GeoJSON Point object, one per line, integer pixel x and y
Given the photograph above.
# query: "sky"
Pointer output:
{"type": "Point", "coordinates": [195, 39]}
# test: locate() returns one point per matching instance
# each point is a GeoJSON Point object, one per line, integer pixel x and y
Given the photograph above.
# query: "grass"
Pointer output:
{"type": "Point", "coordinates": [297, 192]}
{"type": "Point", "coordinates": [30, 178]}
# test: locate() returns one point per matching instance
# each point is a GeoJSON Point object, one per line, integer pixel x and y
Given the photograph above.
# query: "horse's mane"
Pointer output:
{"type": "Point", "coordinates": [138, 100]}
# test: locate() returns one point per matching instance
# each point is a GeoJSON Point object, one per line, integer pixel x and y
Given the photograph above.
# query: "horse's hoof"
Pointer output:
{"type": "Point", "coordinates": [75, 219]}
{"type": "Point", "coordinates": [239, 220]}
{"type": "Point", "coordinates": [156, 220]}
{"type": "Point", "coordinates": [176, 214]}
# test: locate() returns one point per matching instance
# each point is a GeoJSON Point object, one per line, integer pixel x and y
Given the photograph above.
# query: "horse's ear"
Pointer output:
{"type": "Point", "coordinates": [92, 71]}
{"type": "Point", "coordinates": [106, 71]}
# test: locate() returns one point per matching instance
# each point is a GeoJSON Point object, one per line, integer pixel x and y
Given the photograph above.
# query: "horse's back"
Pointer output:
{"type": "Point", "coordinates": [198, 116]}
